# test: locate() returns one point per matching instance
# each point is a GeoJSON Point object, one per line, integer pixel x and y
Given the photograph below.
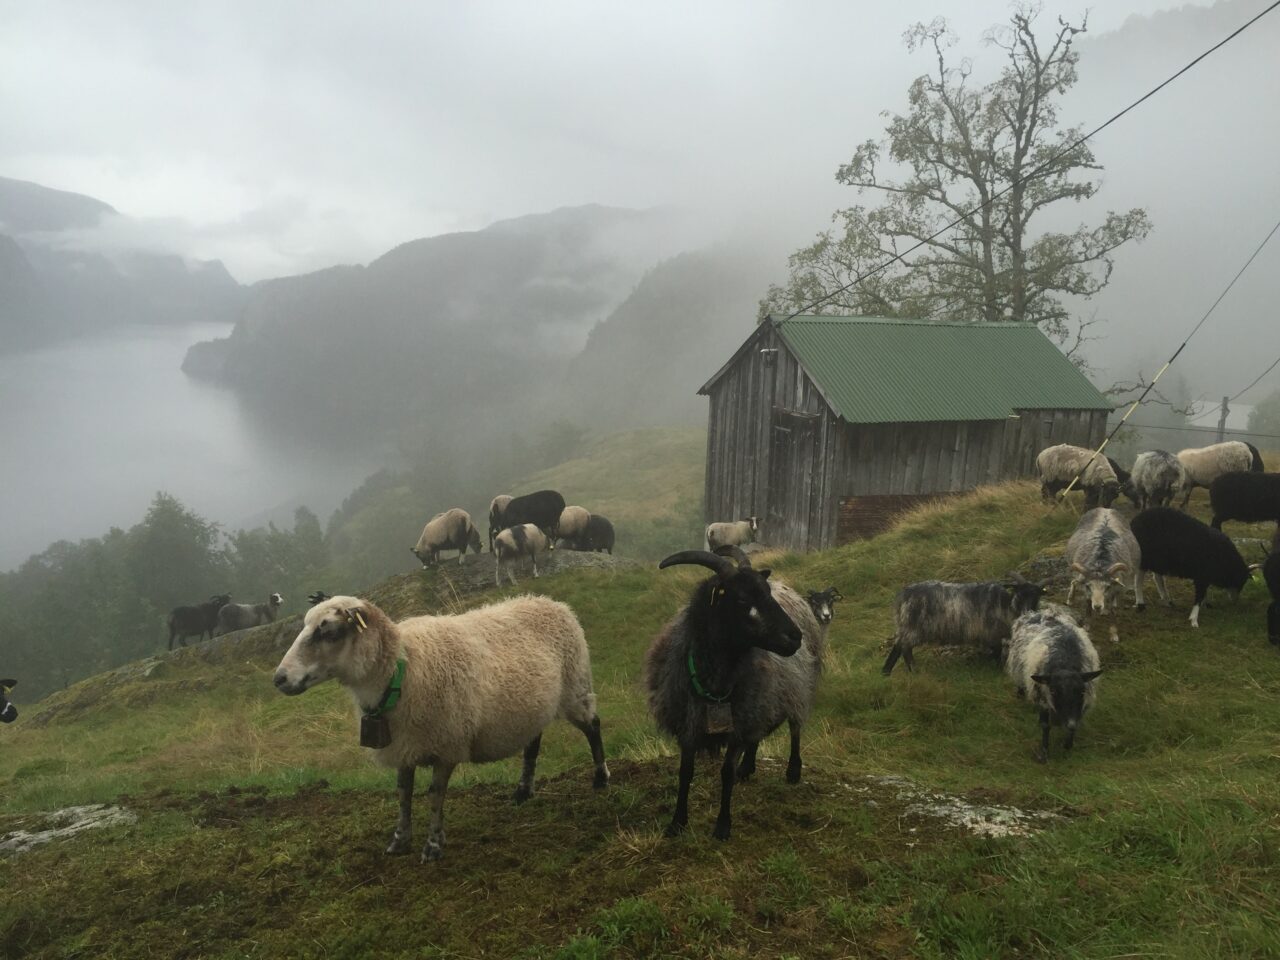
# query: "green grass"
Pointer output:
{"type": "Point", "coordinates": [261, 823]}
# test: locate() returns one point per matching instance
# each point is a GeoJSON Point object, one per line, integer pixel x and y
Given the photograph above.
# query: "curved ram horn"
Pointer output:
{"type": "Point", "coordinates": [735, 553]}
{"type": "Point", "coordinates": [702, 558]}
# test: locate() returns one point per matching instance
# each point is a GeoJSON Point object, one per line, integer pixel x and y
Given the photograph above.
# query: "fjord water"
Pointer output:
{"type": "Point", "coordinates": [90, 429]}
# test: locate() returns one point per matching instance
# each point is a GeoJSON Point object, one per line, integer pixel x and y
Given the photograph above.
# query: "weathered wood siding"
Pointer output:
{"type": "Point", "coordinates": [776, 450]}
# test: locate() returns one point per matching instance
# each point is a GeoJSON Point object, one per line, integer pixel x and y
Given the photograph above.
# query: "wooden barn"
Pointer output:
{"type": "Point", "coordinates": [827, 427]}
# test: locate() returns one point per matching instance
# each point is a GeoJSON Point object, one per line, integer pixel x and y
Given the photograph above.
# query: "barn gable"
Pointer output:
{"type": "Point", "coordinates": [827, 427]}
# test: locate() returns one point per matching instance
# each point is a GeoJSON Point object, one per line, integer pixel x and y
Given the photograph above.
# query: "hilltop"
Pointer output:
{"type": "Point", "coordinates": [260, 822]}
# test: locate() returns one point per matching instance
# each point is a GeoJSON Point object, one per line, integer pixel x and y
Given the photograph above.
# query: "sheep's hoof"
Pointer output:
{"type": "Point", "coordinates": [1040, 755]}
{"type": "Point", "coordinates": [674, 829]}
{"type": "Point", "coordinates": [601, 780]}
{"type": "Point", "coordinates": [1140, 607]}
{"type": "Point", "coordinates": [522, 794]}
{"type": "Point", "coordinates": [399, 846]}
{"type": "Point", "coordinates": [432, 851]}
{"type": "Point", "coordinates": [721, 832]}
{"type": "Point", "coordinates": [793, 773]}
{"type": "Point", "coordinates": [744, 774]}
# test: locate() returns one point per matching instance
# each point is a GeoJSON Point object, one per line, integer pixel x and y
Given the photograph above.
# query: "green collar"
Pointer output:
{"type": "Point", "coordinates": [390, 696]}
{"type": "Point", "coordinates": [699, 689]}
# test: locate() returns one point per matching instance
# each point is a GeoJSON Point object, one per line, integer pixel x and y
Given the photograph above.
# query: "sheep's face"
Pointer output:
{"type": "Point", "coordinates": [823, 604]}
{"type": "Point", "coordinates": [8, 712]}
{"type": "Point", "coordinates": [1066, 689]}
{"type": "Point", "coordinates": [1108, 493]}
{"type": "Point", "coordinates": [750, 616]}
{"type": "Point", "coordinates": [330, 645]}
{"type": "Point", "coordinates": [1026, 596]}
{"type": "Point", "coordinates": [276, 600]}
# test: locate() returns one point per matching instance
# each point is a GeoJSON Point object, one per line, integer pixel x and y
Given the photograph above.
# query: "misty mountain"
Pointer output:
{"type": "Point", "coordinates": [642, 365]}
{"type": "Point", "coordinates": [58, 280]}
{"type": "Point", "coordinates": [446, 336]}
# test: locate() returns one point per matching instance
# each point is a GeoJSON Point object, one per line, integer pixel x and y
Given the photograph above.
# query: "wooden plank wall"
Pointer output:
{"type": "Point", "coordinates": [863, 517]}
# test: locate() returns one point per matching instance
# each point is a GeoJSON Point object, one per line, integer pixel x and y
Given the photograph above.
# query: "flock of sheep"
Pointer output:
{"type": "Point", "coordinates": [218, 616]}
{"type": "Point", "coordinates": [744, 654]}
{"type": "Point", "coordinates": [1046, 648]}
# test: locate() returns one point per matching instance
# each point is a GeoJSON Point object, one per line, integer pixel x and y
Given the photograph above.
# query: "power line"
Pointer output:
{"type": "Point", "coordinates": [1191, 429]}
{"type": "Point", "coordinates": [1252, 384]}
{"type": "Point", "coordinates": [1036, 171]}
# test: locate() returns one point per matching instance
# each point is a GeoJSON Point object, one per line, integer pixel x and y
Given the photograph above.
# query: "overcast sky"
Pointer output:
{"type": "Point", "coordinates": [282, 137]}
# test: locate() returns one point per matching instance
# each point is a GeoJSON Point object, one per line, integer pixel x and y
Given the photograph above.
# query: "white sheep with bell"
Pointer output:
{"type": "Point", "coordinates": [474, 687]}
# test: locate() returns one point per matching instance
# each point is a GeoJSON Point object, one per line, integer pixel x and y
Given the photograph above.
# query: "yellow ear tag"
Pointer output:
{"type": "Point", "coordinates": [359, 619]}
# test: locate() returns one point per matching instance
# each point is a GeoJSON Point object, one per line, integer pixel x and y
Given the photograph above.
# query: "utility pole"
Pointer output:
{"type": "Point", "coordinates": [1222, 420]}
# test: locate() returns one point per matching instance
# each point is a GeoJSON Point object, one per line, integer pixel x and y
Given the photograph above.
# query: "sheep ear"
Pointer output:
{"type": "Point", "coordinates": [1092, 675]}
{"type": "Point", "coordinates": [1040, 677]}
{"type": "Point", "coordinates": [354, 615]}
{"type": "Point", "coordinates": [764, 574]}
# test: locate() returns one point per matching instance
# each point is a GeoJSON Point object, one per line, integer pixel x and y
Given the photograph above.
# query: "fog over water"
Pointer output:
{"type": "Point", "coordinates": [118, 420]}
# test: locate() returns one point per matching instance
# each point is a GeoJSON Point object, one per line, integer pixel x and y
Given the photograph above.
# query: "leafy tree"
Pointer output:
{"type": "Point", "coordinates": [1265, 417]}
{"type": "Point", "coordinates": [946, 158]}
{"type": "Point", "coordinates": [173, 555]}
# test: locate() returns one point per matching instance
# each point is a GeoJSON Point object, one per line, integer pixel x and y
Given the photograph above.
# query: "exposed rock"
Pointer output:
{"type": "Point", "coordinates": [60, 824]}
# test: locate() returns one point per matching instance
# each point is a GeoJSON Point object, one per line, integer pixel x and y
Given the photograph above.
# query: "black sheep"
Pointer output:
{"type": "Point", "coordinates": [1271, 574]}
{"type": "Point", "coordinates": [1246, 496]}
{"type": "Point", "coordinates": [8, 712]}
{"type": "Point", "coordinates": [599, 536]}
{"type": "Point", "coordinates": [196, 621]}
{"type": "Point", "coordinates": [542, 509]}
{"type": "Point", "coordinates": [1177, 545]}
{"type": "Point", "coordinates": [741, 657]}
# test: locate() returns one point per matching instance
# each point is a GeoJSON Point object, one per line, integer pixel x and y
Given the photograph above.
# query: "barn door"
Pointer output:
{"type": "Point", "coordinates": [792, 469]}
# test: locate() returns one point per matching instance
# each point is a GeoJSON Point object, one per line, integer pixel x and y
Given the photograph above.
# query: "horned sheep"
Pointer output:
{"type": "Point", "coordinates": [450, 530]}
{"type": "Point", "coordinates": [525, 540]}
{"type": "Point", "coordinates": [196, 621]}
{"type": "Point", "coordinates": [1206, 464]}
{"type": "Point", "coordinates": [1059, 465]}
{"type": "Point", "coordinates": [1158, 477]}
{"type": "Point", "coordinates": [823, 605]}
{"type": "Point", "coordinates": [971, 614]}
{"type": "Point", "coordinates": [741, 657]}
{"type": "Point", "coordinates": [473, 688]}
{"type": "Point", "coordinates": [1248, 497]}
{"type": "Point", "coordinates": [737, 533]}
{"type": "Point", "coordinates": [242, 616]}
{"type": "Point", "coordinates": [1104, 555]}
{"type": "Point", "coordinates": [1178, 545]}
{"type": "Point", "coordinates": [1053, 663]}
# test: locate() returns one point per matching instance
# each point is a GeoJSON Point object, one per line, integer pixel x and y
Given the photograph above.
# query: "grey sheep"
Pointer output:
{"type": "Point", "coordinates": [972, 614]}
{"type": "Point", "coordinates": [473, 688]}
{"type": "Point", "coordinates": [1059, 465]}
{"type": "Point", "coordinates": [1157, 478]}
{"type": "Point", "coordinates": [242, 616]}
{"type": "Point", "coordinates": [1104, 556]}
{"type": "Point", "coordinates": [1052, 663]}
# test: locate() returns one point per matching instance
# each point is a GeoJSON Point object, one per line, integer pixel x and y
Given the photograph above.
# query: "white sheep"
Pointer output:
{"type": "Point", "coordinates": [1059, 465]}
{"type": "Point", "coordinates": [573, 525]}
{"type": "Point", "coordinates": [736, 534]}
{"type": "Point", "coordinates": [474, 688]}
{"type": "Point", "coordinates": [1206, 464]}
{"type": "Point", "coordinates": [523, 540]}
{"type": "Point", "coordinates": [451, 530]}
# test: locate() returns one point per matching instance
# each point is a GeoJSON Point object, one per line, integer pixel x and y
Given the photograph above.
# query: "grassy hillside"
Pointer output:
{"type": "Point", "coordinates": [261, 823]}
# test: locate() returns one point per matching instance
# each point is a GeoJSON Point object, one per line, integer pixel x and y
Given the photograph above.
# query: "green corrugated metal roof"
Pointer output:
{"type": "Point", "coordinates": [874, 370]}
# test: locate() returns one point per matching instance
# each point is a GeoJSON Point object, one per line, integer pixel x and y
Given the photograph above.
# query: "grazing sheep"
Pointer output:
{"type": "Point", "coordinates": [736, 534]}
{"type": "Point", "coordinates": [1059, 465]}
{"type": "Point", "coordinates": [497, 507]}
{"type": "Point", "coordinates": [1122, 475]}
{"type": "Point", "coordinates": [1206, 464]}
{"type": "Point", "coordinates": [1177, 545]}
{"type": "Point", "coordinates": [572, 526]}
{"type": "Point", "coordinates": [542, 509]}
{"type": "Point", "coordinates": [1157, 479]}
{"type": "Point", "coordinates": [1271, 574]}
{"type": "Point", "coordinates": [740, 658]}
{"type": "Point", "coordinates": [823, 604]}
{"type": "Point", "coordinates": [451, 530]}
{"type": "Point", "coordinates": [242, 616]}
{"type": "Point", "coordinates": [8, 712]}
{"type": "Point", "coordinates": [1104, 555]}
{"type": "Point", "coordinates": [599, 537]}
{"type": "Point", "coordinates": [196, 621]}
{"type": "Point", "coordinates": [973, 614]}
{"type": "Point", "coordinates": [526, 540]}
{"type": "Point", "coordinates": [1052, 663]}
{"type": "Point", "coordinates": [473, 688]}
{"type": "Point", "coordinates": [1248, 497]}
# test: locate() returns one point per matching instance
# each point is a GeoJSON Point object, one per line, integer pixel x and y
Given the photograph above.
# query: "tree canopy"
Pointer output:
{"type": "Point", "coordinates": [995, 157]}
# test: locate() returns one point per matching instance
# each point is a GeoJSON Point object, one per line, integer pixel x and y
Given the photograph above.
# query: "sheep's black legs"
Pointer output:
{"type": "Point", "coordinates": [1042, 755]}
{"type": "Point", "coordinates": [680, 819]}
{"type": "Point", "coordinates": [592, 732]}
{"type": "Point", "coordinates": [892, 659]}
{"type": "Point", "coordinates": [793, 764]}
{"type": "Point", "coordinates": [440, 774]}
{"type": "Point", "coordinates": [908, 659]}
{"type": "Point", "coordinates": [727, 774]}
{"type": "Point", "coordinates": [524, 790]}
{"type": "Point", "coordinates": [748, 765]}
{"type": "Point", "coordinates": [1070, 738]}
{"type": "Point", "coordinates": [1202, 589]}
{"type": "Point", "coordinates": [403, 837]}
